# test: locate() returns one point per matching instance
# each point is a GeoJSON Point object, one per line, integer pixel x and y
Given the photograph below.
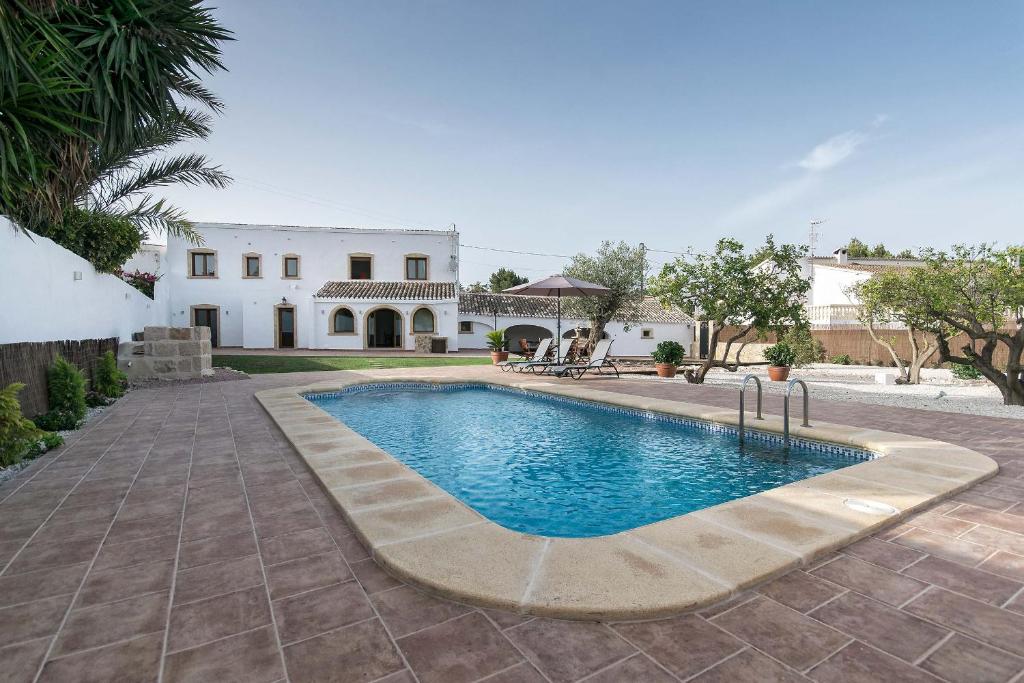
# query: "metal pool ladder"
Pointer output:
{"type": "Point", "coordinates": [743, 393]}
{"type": "Point", "coordinates": [785, 409]}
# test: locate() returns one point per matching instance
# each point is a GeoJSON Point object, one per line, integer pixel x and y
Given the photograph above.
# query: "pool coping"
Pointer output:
{"type": "Point", "coordinates": [422, 534]}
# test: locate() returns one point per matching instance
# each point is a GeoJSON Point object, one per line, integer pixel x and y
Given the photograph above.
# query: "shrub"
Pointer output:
{"type": "Point", "coordinates": [94, 399]}
{"type": "Point", "coordinates": [103, 240]}
{"type": "Point", "coordinates": [66, 389]}
{"type": "Point", "coordinates": [805, 347]}
{"type": "Point", "coordinates": [496, 340]}
{"type": "Point", "coordinates": [669, 352]}
{"type": "Point", "coordinates": [17, 433]}
{"type": "Point", "coordinates": [109, 380]}
{"type": "Point", "coordinates": [781, 354]}
{"type": "Point", "coordinates": [965, 371]}
{"type": "Point", "coordinates": [842, 359]}
{"type": "Point", "coordinates": [144, 282]}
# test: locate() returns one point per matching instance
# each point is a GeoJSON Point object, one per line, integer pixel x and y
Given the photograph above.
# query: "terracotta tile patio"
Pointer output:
{"type": "Point", "coordinates": [179, 538]}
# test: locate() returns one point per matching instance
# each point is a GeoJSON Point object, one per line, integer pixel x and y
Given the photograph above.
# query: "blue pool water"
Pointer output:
{"type": "Point", "coordinates": [555, 467]}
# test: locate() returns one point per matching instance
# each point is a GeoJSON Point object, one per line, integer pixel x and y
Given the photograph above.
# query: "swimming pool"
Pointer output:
{"type": "Point", "coordinates": [553, 466]}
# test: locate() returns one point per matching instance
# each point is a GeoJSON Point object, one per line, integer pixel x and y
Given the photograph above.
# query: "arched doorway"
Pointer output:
{"type": "Point", "coordinates": [384, 329]}
{"type": "Point", "coordinates": [530, 333]}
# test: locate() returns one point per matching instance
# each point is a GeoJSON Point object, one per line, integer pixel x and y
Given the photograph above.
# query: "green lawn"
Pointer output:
{"type": "Point", "coordinates": [255, 365]}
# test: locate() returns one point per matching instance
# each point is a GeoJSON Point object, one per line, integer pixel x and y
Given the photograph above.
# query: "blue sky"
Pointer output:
{"type": "Point", "coordinates": [551, 126]}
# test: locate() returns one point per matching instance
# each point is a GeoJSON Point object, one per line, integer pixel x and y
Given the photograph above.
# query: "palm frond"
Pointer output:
{"type": "Point", "coordinates": [187, 169]}
{"type": "Point", "coordinates": [156, 215]}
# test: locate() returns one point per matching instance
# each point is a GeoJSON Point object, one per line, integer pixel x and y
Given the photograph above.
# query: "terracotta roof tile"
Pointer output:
{"type": "Point", "coordinates": [377, 289]}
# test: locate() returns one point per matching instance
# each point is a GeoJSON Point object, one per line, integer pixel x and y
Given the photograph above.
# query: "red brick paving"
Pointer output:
{"type": "Point", "coordinates": [179, 538]}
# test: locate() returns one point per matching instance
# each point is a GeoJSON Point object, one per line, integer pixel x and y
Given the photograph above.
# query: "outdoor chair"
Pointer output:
{"type": "Point", "coordinates": [598, 359]}
{"type": "Point", "coordinates": [537, 359]}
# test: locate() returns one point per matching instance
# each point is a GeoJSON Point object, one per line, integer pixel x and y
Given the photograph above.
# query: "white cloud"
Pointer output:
{"type": "Point", "coordinates": [767, 203]}
{"type": "Point", "coordinates": [833, 151]}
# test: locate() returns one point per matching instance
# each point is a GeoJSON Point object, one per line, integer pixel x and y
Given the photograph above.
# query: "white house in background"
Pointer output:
{"type": "Point", "coordinates": [534, 318]}
{"type": "Point", "coordinates": [280, 286]}
{"type": "Point", "coordinates": [828, 302]}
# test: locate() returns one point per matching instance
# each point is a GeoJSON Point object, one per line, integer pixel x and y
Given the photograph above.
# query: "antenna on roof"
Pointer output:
{"type": "Point", "coordinates": [813, 237]}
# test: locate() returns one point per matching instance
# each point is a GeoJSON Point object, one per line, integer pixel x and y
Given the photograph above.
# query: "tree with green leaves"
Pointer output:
{"type": "Point", "coordinates": [503, 278]}
{"type": "Point", "coordinates": [884, 302]}
{"type": "Point", "coordinates": [857, 249]}
{"type": "Point", "coordinates": [977, 291]}
{"type": "Point", "coordinates": [89, 91]}
{"type": "Point", "coordinates": [619, 267]}
{"type": "Point", "coordinates": [476, 288]}
{"type": "Point", "coordinates": [760, 293]}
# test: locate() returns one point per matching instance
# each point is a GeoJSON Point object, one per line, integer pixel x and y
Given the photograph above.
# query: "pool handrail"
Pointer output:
{"type": "Point", "coordinates": [785, 407]}
{"type": "Point", "coordinates": [743, 392]}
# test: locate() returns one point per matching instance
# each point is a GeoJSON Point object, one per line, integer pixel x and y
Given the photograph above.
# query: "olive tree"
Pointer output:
{"type": "Point", "coordinates": [884, 302]}
{"type": "Point", "coordinates": [760, 292]}
{"type": "Point", "coordinates": [619, 267]}
{"type": "Point", "coordinates": [977, 291]}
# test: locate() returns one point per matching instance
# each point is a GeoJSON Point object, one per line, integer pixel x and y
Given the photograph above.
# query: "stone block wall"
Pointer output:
{"type": "Point", "coordinates": [168, 353]}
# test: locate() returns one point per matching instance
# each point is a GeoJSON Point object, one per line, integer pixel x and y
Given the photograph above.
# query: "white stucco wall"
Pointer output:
{"type": "Point", "coordinates": [446, 316]}
{"type": "Point", "coordinates": [625, 343]}
{"type": "Point", "coordinates": [829, 285]}
{"type": "Point", "coordinates": [51, 294]}
{"type": "Point", "coordinates": [247, 304]}
{"type": "Point", "coordinates": [148, 259]}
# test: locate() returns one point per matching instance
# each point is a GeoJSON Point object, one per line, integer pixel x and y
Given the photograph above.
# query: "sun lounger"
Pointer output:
{"type": "Point", "coordinates": [599, 359]}
{"type": "Point", "coordinates": [538, 358]}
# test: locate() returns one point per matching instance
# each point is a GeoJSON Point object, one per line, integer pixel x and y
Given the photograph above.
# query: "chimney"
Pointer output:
{"type": "Point", "coordinates": [842, 256]}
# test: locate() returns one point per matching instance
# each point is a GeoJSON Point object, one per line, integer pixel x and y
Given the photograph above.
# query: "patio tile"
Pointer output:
{"type": "Point", "coordinates": [134, 660]}
{"type": "Point", "coordinates": [968, 661]}
{"type": "Point", "coordinates": [800, 590]}
{"type": "Point", "coordinates": [361, 652]}
{"type": "Point", "coordinates": [44, 583]}
{"type": "Point", "coordinates": [882, 553]}
{"type": "Point", "coordinates": [214, 579]}
{"type": "Point", "coordinates": [974, 583]}
{"type": "Point", "coordinates": [217, 549]}
{"type": "Point", "coordinates": [202, 526]}
{"type": "Point", "coordinates": [199, 622]}
{"type": "Point", "coordinates": [21, 661]}
{"type": "Point", "coordinates": [994, 538]}
{"type": "Point", "coordinates": [306, 573]}
{"type": "Point", "coordinates": [133, 530]}
{"type": "Point", "coordinates": [114, 584]}
{"type": "Point", "coordinates": [45, 555]}
{"type": "Point", "coordinates": [114, 555]}
{"type": "Point", "coordinates": [296, 544]}
{"type": "Point", "coordinates": [109, 623]}
{"type": "Point", "coordinates": [749, 666]}
{"type": "Point", "coordinates": [458, 651]}
{"type": "Point", "coordinates": [637, 668]}
{"type": "Point", "coordinates": [1005, 564]}
{"type": "Point", "coordinates": [252, 656]}
{"type": "Point", "coordinates": [298, 519]}
{"type": "Point", "coordinates": [983, 500]}
{"type": "Point", "coordinates": [781, 632]}
{"type": "Point", "coordinates": [871, 580]}
{"type": "Point", "coordinates": [954, 549]}
{"type": "Point", "coordinates": [317, 611]}
{"type": "Point", "coordinates": [986, 623]}
{"type": "Point", "coordinates": [504, 620]}
{"type": "Point", "coordinates": [406, 609]}
{"type": "Point", "coordinates": [523, 673]}
{"type": "Point", "coordinates": [371, 577]}
{"type": "Point", "coordinates": [684, 645]}
{"type": "Point", "coordinates": [32, 619]}
{"type": "Point", "coordinates": [875, 623]}
{"type": "Point", "coordinates": [75, 529]}
{"type": "Point", "coordinates": [566, 651]}
{"type": "Point", "coordinates": [858, 663]}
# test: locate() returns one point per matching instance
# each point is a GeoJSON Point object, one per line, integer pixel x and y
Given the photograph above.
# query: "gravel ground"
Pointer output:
{"type": "Point", "coordinates": [938, 391]}
{"type": "Point", "coordinates": [219, 375]}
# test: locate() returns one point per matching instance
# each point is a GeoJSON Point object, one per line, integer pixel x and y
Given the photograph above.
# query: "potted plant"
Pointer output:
{"type": "Point", "coordinates": [780, 357]}
{"type": "Point", "coordinates": [496, 343]}
{"type": "Point", "coordinates": [667, 357]}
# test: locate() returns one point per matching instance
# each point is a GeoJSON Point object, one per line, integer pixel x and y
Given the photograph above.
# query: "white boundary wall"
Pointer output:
{"type": "Point", "coordinates": [48, 293]}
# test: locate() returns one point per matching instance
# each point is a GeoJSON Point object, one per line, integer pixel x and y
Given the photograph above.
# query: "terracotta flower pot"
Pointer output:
{"type": "Point", "coordinates": [665, 369]}
{"type": "Point", "coordinates": [498, 356]}
{"type": "Point", "coordinates": [778, 373]}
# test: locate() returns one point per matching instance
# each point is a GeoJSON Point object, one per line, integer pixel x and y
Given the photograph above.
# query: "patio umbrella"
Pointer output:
{"type": "Point", "coordinates": [557, 286]}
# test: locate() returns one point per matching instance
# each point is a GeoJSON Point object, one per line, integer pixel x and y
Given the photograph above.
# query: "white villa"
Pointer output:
{"type": "Point", "coordinates": [277, 286]}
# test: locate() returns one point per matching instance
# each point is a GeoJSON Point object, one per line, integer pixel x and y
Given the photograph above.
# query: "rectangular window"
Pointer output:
{"type": "Point", "coordinates": [415, 268]}
{"type": "Point", "coordinates": [465, 327]}
{"type": "Point", "coordinates": [360, 268]}
{"type": "Point", "coordinates": [203, 264]}
{"type": "Point", "coordinates": [291, 266]}
{"type": "Point", "coordinates": [647, 333]}
{"type": "Point", "coordinates": [252, 266]}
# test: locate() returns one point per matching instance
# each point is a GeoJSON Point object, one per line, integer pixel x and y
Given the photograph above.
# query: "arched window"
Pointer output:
{"type": "Point", "coordinates": [344, 321]}
{"type": "Point", "coordinates": [423, 321]}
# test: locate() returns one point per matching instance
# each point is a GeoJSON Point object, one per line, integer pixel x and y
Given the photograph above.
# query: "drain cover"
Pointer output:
{"type": "Point", "coordinates": [871, 507]}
